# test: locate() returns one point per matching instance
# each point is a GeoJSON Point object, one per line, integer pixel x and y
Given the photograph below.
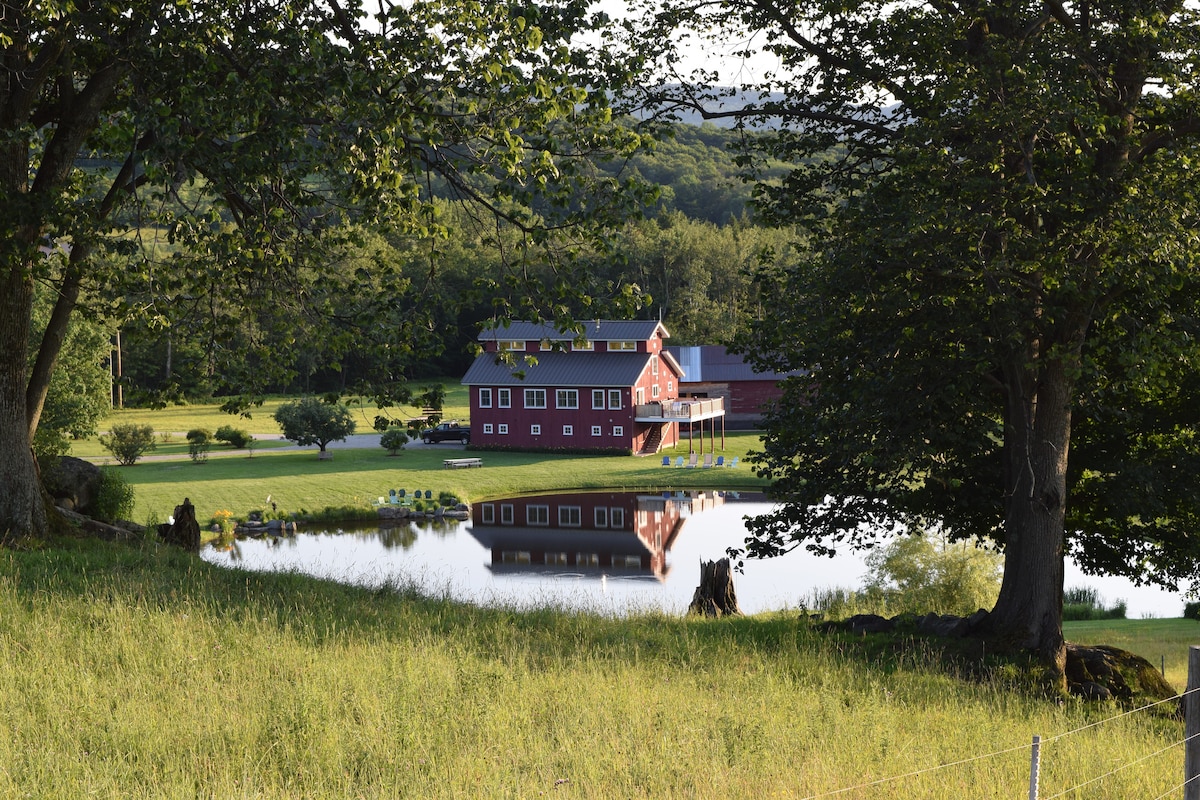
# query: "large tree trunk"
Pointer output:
{"type": "Point", "coordinates": [1028, 612]}
{"type": "Point", "coordinates": [52, 339]}
{"type": "Point", "coordinates": [22, 508]}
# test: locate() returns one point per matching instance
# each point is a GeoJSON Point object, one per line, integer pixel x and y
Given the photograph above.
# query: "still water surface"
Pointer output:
{"type": "Point", "coordinates": [613, 553]}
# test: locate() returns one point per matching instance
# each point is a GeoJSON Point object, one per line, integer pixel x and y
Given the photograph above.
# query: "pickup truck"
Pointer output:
{"type": "Point", "coordinates": [447, 432]}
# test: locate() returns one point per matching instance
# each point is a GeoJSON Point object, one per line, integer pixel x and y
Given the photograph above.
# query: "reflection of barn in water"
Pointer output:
{"type": "Point", "coordinates": [588, 532]}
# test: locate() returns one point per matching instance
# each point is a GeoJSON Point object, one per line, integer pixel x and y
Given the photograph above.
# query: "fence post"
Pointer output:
{"type": "Point", "coordinates": [1035, 767]}
{"type": "Point", "coordinates": [1191, 727]}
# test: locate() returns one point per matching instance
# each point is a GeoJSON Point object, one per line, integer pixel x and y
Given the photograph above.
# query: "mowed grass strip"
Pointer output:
{"type": "Point", "coordinates": [178, 419]}
{"type": "Point", "coordinates": [141, 671]}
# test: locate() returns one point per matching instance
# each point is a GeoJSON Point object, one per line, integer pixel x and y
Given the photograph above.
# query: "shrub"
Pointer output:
{"type": "Point", "coordinates": [922, 573]}
{"type": "Point", "coordinates": [447, 499]}
{"type": "Point", "coordinates": [224, 520]}
{"type": "Point", "coordinates": [199, 435]}
{"type": "Point", "coordinates": [114, 497]}
{"type": "Point", "coordinates": [234, 437]}
{"type": "Point", "coordinates": [393, 439]}
{"type": "Point", "coordinates": [1084, 603]}
{"type": "Point", "coordinates": [1192, 610]}
{"type": "Point", "coordinates": [127, 442]}
{"type": "Point", "coordinates": [199, 444]}
{"type": "Point", "coordinates": [49, 443]}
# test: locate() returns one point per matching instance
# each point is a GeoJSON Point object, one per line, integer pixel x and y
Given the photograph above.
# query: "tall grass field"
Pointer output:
{"type": "Point", "coordinates": [137, 670]}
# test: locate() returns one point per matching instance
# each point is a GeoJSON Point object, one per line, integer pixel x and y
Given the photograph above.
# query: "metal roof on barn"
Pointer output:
{"type": "Point", "coordinates": [715, 364]}
{"type": "Point", "coordinates": [600, 370]}
{"type": "Point", "coordinates": [599, 330]}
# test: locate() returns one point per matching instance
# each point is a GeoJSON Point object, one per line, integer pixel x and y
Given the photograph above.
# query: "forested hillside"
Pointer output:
{"type": "Point", "coordinates": [687, 261]}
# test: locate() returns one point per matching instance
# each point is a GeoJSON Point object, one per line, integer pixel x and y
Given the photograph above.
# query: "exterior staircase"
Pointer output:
{"type": "Point", "coordinates": [653, 441]}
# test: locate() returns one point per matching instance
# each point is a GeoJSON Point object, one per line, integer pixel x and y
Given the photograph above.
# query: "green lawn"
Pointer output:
{"type": "Point", "coordinates": [355, 477]}
{"type": "Point", "coordinates": [178, 419]}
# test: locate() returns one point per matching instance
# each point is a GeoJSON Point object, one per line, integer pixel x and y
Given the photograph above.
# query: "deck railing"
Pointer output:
{"type": "Point", "coordinates": [683, 409]}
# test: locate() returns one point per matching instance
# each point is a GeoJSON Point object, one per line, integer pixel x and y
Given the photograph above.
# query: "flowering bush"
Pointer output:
{"type": "Point", "coordinates": [224, 519]}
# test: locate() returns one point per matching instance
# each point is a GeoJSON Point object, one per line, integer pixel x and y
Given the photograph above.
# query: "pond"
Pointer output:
{"type": "Point", "coordinates": [606, 552]}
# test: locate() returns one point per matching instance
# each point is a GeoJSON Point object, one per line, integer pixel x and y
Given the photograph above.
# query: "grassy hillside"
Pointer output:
{"type": "Point", "coordinates": [142, 672]}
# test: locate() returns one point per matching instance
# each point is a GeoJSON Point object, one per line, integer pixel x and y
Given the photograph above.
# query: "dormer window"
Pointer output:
{"type": "Point", "coordinates": [586, 345]}
{"type": "Point", "coordinates": [623, 346]}
{"type": "Point", "coordinates": [510, 345]}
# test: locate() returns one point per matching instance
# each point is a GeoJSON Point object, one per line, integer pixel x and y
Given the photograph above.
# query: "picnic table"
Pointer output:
{"type": "Point", "coordinates": [462, 463]}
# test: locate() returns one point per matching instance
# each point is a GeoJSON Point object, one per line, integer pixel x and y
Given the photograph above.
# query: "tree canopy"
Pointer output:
{"type": "Point", "coordinates": [310, 421]}
{"type": "Point", "coordinates": [999, 325]}
{"type": "Point", "coordinates": [256, 141]}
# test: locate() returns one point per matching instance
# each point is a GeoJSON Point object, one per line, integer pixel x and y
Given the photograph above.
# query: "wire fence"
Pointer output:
{"type": "Point", "coordinates": [1178, 699]}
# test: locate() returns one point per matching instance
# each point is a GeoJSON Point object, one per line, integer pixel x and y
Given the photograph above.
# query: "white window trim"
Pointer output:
{"type": "Point", "coordinates": [597, 430]}
{"type": "Point", "coordinates": [597, 393]}
{"type": "Point", "coordinates": [568, 430]}
{"type": "Point", "coordinates": [487, 427]}
{"type": "Point", "coordinates": [529, 520]}
{"type": "Point", "coordinates": [614, 398]}
{"type": "Point", "coordinates": [488, 514]}
{"type": "Point", "coordinates": [502, 429]}
{"type": "Point", "coordinates": [485, 398]}
{"type": "Point", "coordinates": [535, 429]}
{"type": "Point", "coordinates": [616, 517]}
{"type": "Point", "coordinates": [565, 514]}
{"type": "Point", "coordinates": [618, 430]}
{"type": "Point", "coordinates": [558, 396]}
{"type": "Point", "coordinates": [504, 398]}
{"type": "Point", "coordinates": [533, 392]}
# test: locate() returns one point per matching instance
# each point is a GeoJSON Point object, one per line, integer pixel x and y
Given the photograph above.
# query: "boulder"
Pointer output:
{"type": "Point", "coordinates": [1103, 672]}
{"type": "Point", "coordinates": [72, 482]}
{"type": "Point", "coordinates": [870, 623]}
{"type": "Point", "coordinates": [946, 625]}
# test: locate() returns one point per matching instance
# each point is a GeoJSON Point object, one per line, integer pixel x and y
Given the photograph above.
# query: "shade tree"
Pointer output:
{"type": "Point", "coordinates": [998, 326]}
{"type": "Point", "coordinates": [255, 141]}
{"type": "Point", "coordinates": [310, 421]}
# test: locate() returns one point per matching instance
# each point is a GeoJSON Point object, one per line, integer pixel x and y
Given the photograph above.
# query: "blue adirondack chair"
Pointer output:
{"type": "Point", "coordinates": [720, 461]}
{"type": "Point", "coordinates": [679, 461]}
{"type": "Point", "coordinates": [666, 461]}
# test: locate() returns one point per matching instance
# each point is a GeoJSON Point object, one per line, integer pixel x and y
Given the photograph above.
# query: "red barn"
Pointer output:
{"type": "Point", "coordinates": [585, 532]}
{"type": "Point", "coordinates": [612, 388]}
{"type": "Point", "coordinates": [711, 372]}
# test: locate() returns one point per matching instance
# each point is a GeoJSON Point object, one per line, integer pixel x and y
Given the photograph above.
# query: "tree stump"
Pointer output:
{"type": "Point", "coordinates": [185, 530]}
{"type": "Point", "coordinates": [715, 597]}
